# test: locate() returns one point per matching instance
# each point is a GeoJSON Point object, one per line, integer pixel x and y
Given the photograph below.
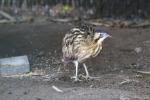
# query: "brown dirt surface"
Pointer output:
{"type": "Point", "coordinates": [122, 55]}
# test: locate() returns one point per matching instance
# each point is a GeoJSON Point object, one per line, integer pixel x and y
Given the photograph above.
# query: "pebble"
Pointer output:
{"type": "Point", "coordinates": [138, 49]}
{"type": "Point", "coordinates": [38, 99]}
{"type": "Point", "coordinates": [9, 92]}
{"type": "Point", "coordinates": [25, 93]}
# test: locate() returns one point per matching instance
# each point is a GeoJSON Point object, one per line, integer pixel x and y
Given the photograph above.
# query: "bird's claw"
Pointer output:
{"type": "Point", "coordinates": [75, 78]}
{"type": "Point", "coordinates": [87, 77]}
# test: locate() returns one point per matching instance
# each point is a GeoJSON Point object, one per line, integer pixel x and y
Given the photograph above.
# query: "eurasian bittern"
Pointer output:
{"type": "Point", "coordinates": [81, 43]}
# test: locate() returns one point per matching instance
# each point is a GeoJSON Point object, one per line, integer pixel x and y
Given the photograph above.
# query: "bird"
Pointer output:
{"type": "Point", "coordinates": [81, 43]}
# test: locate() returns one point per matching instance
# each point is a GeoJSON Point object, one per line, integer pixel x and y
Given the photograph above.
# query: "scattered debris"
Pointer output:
{"type": "Point", "coordinates": [41, 53]}
{"type": "Point", "coordinates": [119, 23]}
{"type": "Point", "coordinates": [57, 89]}
{"type": "Point", "coordinates": [61, 20]}
{"type": "Point", "coordinates": [147, 42]}
{"type": "Point", "coordinates": [127, 81]}
{"type": "Point", "coordinates": [7, 16]}
{"type": "Point", "coordinates": [65, 13]}
{"type": "Point", "coordinates": [138, 49]}
{"type": "Point", "coordinates": [138, 76]}
{"type": "Point", "coordinates": [23, 19]}
{"type": "Point", "coordinates": [25, 92]}
{"type": "Point", "coordinates": [92, 86]}
{"type": "Point", "coordinates": [124, 98]}
{"type": "Point", "coordinates": [14, 65]}
{"type": "Point", "coordinates": [144, 72]}
{"type": "Point", "coordinates": [144, 24]}
{"type": "Point", "coordinates": [38, 99]}
{"type": "Point", "coordinates": [98, 23]}
{"type": "Point", "coordinates": [30, 74]}
{"type": "Point", "coordinates": [4, 21]}
{"type": "Point", "coordinates": [9, 92]}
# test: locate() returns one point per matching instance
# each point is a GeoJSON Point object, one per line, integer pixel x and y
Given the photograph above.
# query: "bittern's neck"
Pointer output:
{"type": "Point", "coordinates": [98, 41]}
{"type": "Point", "coordinates": [96, 44]}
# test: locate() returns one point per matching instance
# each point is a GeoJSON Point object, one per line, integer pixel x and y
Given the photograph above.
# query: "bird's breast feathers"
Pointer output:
{"type": "Point", "coordinates": [79, 45]}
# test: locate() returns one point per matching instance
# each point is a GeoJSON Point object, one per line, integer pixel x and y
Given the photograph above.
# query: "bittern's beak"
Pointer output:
{"type": "Point", "coordinates": [106, 36]}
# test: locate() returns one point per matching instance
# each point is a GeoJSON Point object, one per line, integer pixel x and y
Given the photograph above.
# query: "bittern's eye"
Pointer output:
{"type": "Point", "coordinates": [100, 35]}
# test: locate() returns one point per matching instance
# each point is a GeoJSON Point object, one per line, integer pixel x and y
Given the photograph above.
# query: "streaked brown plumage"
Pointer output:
{"type": "Point", "coordinates": [81, 43]}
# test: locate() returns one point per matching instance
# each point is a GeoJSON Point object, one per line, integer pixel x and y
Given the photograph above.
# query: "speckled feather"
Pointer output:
{"type": "Point", "coordinates": [79, 44]}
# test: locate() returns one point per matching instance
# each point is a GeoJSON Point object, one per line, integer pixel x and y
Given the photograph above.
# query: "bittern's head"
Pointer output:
{"type": "Point", "coordinates": [100, 35]}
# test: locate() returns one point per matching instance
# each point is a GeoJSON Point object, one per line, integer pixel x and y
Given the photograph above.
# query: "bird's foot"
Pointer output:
{"type": "Point", "coordinates": [88, 77]}
{"type": "Point", "coordinates": [75, 78]}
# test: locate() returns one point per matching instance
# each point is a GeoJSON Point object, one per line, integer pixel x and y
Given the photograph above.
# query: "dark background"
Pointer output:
{"type": "Point", "coordinates": [127, 9]}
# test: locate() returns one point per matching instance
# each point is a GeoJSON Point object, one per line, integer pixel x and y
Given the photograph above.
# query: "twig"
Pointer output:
{"type": "Point", "coordinates": [25, 75]}
{"type": "Point", "coordinates": [4, 21]}
{"type": "Point", "coordinates": [61, 20]}
{"type": "Point", "coordinates": [7, 16]}
{"type": "Point", "coordinates": [144, 72]}
{"type": "Point", "coordinates": [57, 89]}
{"type": "Point", "coordinates": [127, 81]}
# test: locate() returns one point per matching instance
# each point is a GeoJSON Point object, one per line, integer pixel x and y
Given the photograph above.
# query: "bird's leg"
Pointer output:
{"type": "Point", "coordinates": [76, 75]}
{"type": "Point", "coordinates": [87, 76]}
{"type": "Point", "coordinates": [86, 71]}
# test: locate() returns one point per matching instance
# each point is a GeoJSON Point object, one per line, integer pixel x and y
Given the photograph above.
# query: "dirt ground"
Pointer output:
{"type": "Point", "coordinates": [122, 55]}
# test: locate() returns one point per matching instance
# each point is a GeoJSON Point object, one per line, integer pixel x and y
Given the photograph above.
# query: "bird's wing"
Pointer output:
{"type": "Point", "coordinates": [73, 41]}
{"type": "Point", "coordinates": [96, 50]}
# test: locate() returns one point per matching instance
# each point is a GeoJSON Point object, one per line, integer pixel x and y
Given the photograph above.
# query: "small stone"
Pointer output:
{"type": "Point", "coordinates": [9, 92]}
{"type": "Point", "coordinates": [121, 71]}
{"type": "Point", "coordinates": [139, 76]}
{"type": "Point", "coordinates": [138, 49]}
{"type": "Point", "coordinates": [25, 93]}
{"type": "Point", "coordinates": [91, 86]}
{"type": "Point", "coordinates": [147, 42]}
